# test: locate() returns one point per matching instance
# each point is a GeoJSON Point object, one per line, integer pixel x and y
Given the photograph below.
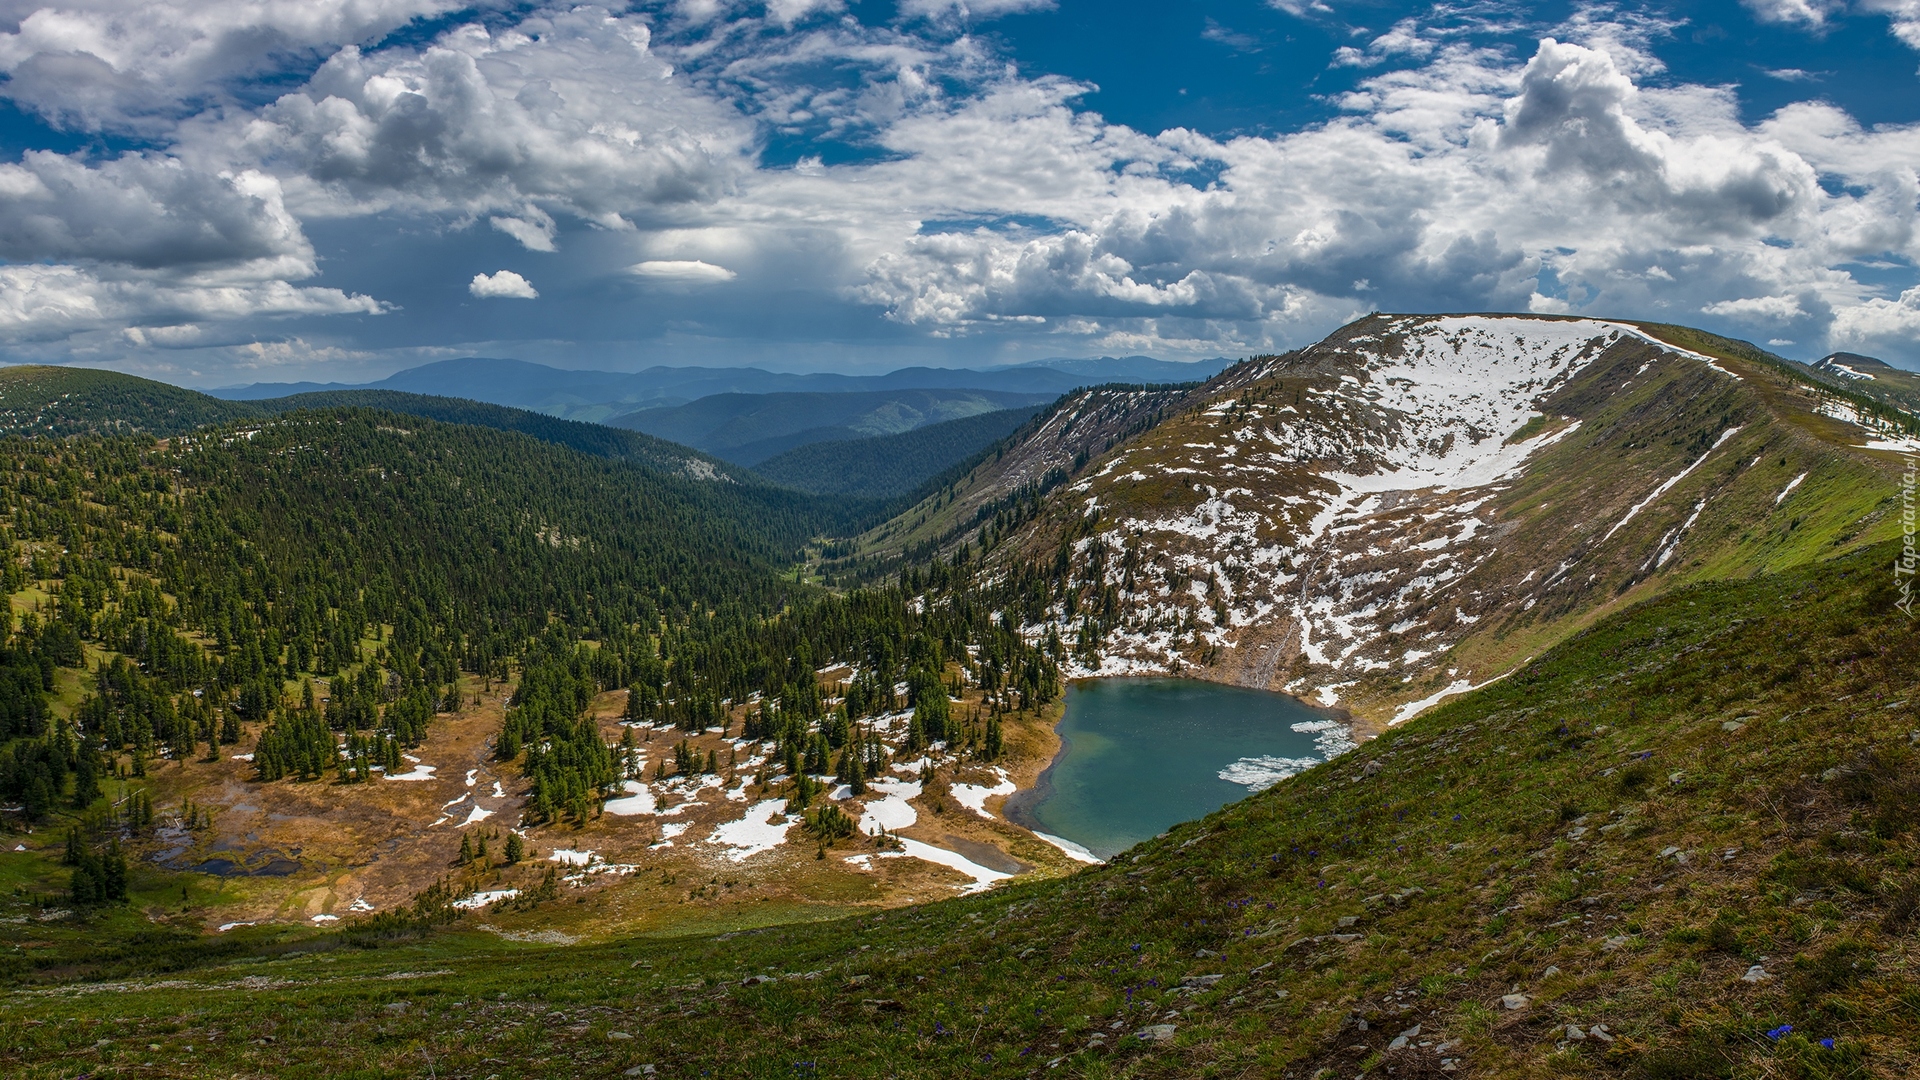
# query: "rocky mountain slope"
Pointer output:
{"type": "Point", "coordinates": [1418, 504]}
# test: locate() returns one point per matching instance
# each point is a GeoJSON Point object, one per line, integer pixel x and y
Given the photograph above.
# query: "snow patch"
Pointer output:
{"type": "Point", "coordinates": [1073, 851]}
{"type": "Point", "coordinates": [637, 801]}
{"type": "Point", "coordinates": [983, 877]}
{"type": "Point", "coordinates": [762, 829]}
{"type": "Point", "coordinates": [482, 899]}
{"type": "Point", "coordinates": [974, 797]}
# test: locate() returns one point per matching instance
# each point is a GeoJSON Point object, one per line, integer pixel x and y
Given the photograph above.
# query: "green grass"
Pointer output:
{"type": "Point", "coordinates": [1457, 859]}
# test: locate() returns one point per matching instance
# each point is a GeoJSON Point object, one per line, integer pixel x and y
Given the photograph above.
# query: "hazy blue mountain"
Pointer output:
{"type": "Point", "coordinates": [1128, 369]}
{"type": "Point", "coordinates": [883, 466]}
{"type": "Point", "coordinates": [602, 395]}
{"type": "Point", "coordinates": [749, 428]}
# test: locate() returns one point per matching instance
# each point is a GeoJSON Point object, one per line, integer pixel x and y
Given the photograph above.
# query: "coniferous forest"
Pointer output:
{"type": "Point", "coordinates": [216, 576]}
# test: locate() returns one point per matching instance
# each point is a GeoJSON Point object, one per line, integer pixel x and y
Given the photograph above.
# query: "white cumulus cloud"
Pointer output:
{"type": "Point", "coordinates": [692, 270]}
{"type": "Point", "coordinates": [502, 284]}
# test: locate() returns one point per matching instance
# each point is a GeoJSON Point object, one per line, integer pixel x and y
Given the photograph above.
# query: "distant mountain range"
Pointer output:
{"type": "Point", "coordinates": [599, 396]}
{"type": "Point", "coordinates": [749, 428]}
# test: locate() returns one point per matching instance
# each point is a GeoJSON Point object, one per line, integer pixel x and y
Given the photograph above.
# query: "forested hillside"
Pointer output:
{"type": "Point", "coordinates": [61, 401]}
{"type": "Point", "coordinates": [887, 466]}
{"type": "Point", "coordinates": [749, 428]}
{"type": "Point", "coordinates": [595, 439]}
{"type": "Point", "coordinates": [320, 586]}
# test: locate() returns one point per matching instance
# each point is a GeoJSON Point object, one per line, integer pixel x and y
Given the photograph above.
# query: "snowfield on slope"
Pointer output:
{"type": "Point", "coordinates": [1335, 509]}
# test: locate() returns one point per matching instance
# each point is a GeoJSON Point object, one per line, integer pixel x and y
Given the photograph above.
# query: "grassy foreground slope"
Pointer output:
{"type": "Point", "coordinates": [1680, 844]}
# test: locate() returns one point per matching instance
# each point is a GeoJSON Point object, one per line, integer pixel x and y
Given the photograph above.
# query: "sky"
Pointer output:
{"type": "Point", "coordinates": [219, 192]}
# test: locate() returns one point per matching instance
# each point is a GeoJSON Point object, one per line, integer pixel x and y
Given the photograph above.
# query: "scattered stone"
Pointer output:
{"type": "Point", "coordinates": [1669, 852]}
{"type": "Point", "coordinates": [618, 1036]}
{"type": "Point", "coordinates": [1155, 1033]}
{"type": "Point", "coordinates": [1026, 952]}
{"type": "Point", "coordinates": [882, 1005]}
{"type": "Point", "coordinates": [1514, 1001]}
{"type": "Point", "coordinates": [858, 980]}
{"type": "Point", "coordinates": [1344, 939]}
{"type": "Point", "coordinates": [1206, 954]}
{"type": "Point", "coordinates": [1550, 973]}
{"type": "Point", "coordinates": [1599, 1031]}
{"type": "Point", "coordinates": [640, 1070]}
{"type": "Point", "coordinates": [1576, 832]}
{"type": "Point", "coordinates": [757, 980]}
{"type": "Point", "coordinates": [1373, 768]}
{"type": "Point", "coordinates": [1349, 920]}
{"type": "Point", "coordinates": [1574, 1033]}
{"type": "Point", "coordinates": [1833, 774]}
{"type": "Point", "coordinates": [1618, 941]}
{"type": "Point", "coordinates": [1676, 777]}
{"type": "Point", "coordinates": [1732, 725]}
{"type": "Point", "coordinates": [1756, 974]}
{"type": "Point", "coordinates": [1201, 982]}
{"type": "Point", "coordinates": [395, 1007]}
{"type": "Point", "coordinates": [1399, 1043]}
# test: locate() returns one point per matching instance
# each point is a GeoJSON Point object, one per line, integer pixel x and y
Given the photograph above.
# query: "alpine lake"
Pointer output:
{"type": "Point", "coordinates": [1140, 755]}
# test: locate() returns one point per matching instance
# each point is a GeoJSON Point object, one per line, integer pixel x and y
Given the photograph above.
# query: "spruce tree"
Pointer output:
{"type": "Point", "coordinates": [516, 848]}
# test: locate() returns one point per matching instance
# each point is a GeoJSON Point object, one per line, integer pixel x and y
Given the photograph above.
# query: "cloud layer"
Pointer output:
{"type": "Point", "coordinates": [691, 167]}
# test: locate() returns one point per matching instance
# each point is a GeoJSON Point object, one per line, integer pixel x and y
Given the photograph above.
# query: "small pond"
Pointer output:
{"type": "Point", "coordinates": [1142, 755]}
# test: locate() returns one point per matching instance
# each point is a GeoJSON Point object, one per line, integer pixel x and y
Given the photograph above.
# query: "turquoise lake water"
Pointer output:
{"type": "Point", "coordinates": [1143, 755]}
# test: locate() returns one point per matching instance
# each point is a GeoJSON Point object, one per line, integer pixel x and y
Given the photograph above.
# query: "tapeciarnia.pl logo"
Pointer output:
{"type": "Point", "coordinates": [1909, 560]}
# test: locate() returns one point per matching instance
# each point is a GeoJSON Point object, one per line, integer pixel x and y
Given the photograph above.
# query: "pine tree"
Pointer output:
{"type": "Point", "coordinates": [466, 849]}
{"type": "Point", "coordinates": [994, 739]}
{"type": "Point", "coordinates": [516, 848]}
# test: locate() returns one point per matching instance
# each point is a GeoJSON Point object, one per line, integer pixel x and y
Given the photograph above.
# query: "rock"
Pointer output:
{"type": "Point", "coordinates": [1599, 1031]}
{"type": "Point", "coordinates": [1732, 725]}
{"type": "Point", "coordinates": [1676, 777]}
{"type": "Point", "coordinates": [1756, 974]}
{"type": "Point", "coordinates": [1155, 1033]}
{"type": "Point", "coordinates": [882, 1005]}
{"type": "Point", "coordinates": [1373, 768]}
{"type": "Point", "coordinates": [1026, 952]}
{"type": "Point", "coordinates": [618, 1036]}
{"type": "Point", "coordinates": [395, 1007]}
{"type": "Point", "coordinates": [640, 1070]}
{"type": "Point", "coordinates": [1618, 941]}
{"type": "Point", "coordinates": [1833, 774]}
{"type": "Point", "coordinates": [1205, 954]}
{"type": "Point", "coordinates": [1411, 1033]}
{"type": "Point", "coordinates": [1574, 1033]}
{"type": "Point", "coordinates": [1344, 939]}
{"type": "Point", "coordinates": [858, 980]}
{"type": "Point", "coordinates": [1514, 1001]}
{"type": "Point", "coordinates": [1399, 1043]}
{"type": "Point", "coordinates": [757, 980]}
{"type": "Point", "coordinates": [1669, 852]}
{"type": "Point", "coordinates": [1201, 982]}
{"type": "Point", "coordinates": [1576, 832]}
{"type": "Point", "coordinates": [1349, 920]}
{"type": "Point", "coordinates": [1550, 973]}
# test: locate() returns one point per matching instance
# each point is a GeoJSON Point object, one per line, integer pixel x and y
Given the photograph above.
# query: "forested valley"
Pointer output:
{"type": "Point", "coordinates": [317, 586]}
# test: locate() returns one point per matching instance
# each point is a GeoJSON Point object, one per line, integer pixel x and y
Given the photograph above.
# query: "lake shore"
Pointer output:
{"type": "Point", "coordinates": [1035, 787]}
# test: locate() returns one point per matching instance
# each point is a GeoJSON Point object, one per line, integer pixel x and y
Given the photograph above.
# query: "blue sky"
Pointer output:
{"type": "Point", "coordinates": [226, 191]}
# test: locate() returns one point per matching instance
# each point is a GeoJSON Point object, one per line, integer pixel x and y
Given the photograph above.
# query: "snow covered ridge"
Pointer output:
{"type": "Point", "coordinates": [1339, 509]}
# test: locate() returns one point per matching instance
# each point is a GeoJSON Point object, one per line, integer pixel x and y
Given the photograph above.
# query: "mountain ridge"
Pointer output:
{"type": "Point", "coordinates": [1335, 522]}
